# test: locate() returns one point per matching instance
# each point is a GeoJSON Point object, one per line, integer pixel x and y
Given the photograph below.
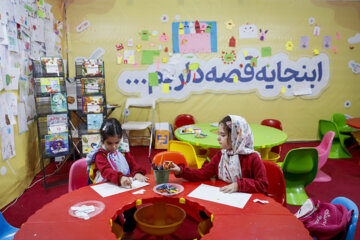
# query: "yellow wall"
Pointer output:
{"type": "Point", "coordinates": [113, 22]}
{"type": "Point", "coordinates": [21, 169]}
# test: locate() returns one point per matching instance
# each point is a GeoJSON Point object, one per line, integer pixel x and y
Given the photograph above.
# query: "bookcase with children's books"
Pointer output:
{"type": "Point", "coordinates": [91, 102]}
{"type": "Point", "coordinates": [52, 119]}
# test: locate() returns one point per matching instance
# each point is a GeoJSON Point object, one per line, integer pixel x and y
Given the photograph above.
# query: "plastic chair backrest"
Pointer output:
{"type": "Point", "coordinates": [7, 231]}
{"type": "Point", "coordinates": [140, 102]}
{"type": "Point", "coordinates": [275, 124]}
{"type": "Point", "coordinates": [302, 162]}
{"type": "Point", "coordinates": [324, 148]}
{"type": "Point", "coordinates": [325, 126]}
{"type": "Point", "coordinates": [187, 150]}
{"type": "Point", "coordinates": [182, 120]}
{"type": "Point", "coordinates": [78, 176]}
{"type": "Point", "coordinates": [276, 188]}
{"type": "Point", "coordinates": [350, 205]}
{"type": "Point", "coordinates": [339, 119]}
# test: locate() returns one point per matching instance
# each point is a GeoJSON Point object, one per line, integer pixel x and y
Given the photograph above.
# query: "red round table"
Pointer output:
{"type": "Point", "coordinates": [254, 221]}
{"type": "Point", "coordinates": [353, 122]}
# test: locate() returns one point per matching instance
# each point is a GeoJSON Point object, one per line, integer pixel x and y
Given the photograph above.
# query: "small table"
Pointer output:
{"type": "Point", "coordinates": [264, 137]}
{"type": "Point", "coordinates": [353, 122]}
{"type": "Point", "coordinates": [254, 221]}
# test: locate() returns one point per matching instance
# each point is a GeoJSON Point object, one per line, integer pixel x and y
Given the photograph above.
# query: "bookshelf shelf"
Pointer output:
{"type": "Point", "coordinates": [91, 102]}
{"type": "Point", "coordinates": [52, 119]}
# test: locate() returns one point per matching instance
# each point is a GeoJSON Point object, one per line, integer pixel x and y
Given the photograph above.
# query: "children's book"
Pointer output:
{"type": "Point", "coordinates": [92, 67]}
{"type": "Point", "coordinates": [92, 86]}
{"type": "Point", "coordinates": [51, 65]}
{"type": "Point", "coordinates": [94, 122]}
{"type": "Point", "coordinates": [58, 102]}
{"type": "Point", "coordinates": [57, 123]}
{"type": "Point", "coordinates": [90, 141]}
{"type": "Point", "coordinates": [56, 144]}
{"type": "Point", "coordinates": [92, 104]}
{"type": "Point", "coordinates": [50, 85]}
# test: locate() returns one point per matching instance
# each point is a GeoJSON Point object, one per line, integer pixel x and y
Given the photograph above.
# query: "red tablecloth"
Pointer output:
{"type": "Point", "coordinates": [254, 221]}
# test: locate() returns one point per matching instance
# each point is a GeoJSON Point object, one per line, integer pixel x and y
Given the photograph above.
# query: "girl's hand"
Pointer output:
{"type": "Point", "coordinates": [233, 187]}
{"type": "Point", "coordinates": [140, 177]}
{"type": "Point", "coordinates": [174, 168]}
{"type": "Point", "coordinates": [125, 181]}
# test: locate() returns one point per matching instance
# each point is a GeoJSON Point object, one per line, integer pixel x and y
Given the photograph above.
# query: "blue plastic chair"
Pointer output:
{"type": "Point", "coordinates": [350, 205]}
{"type": "Point", "coordinates": [7, 231]}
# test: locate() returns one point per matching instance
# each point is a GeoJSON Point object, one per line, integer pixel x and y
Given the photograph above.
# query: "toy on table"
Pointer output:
{"type": "Point", "coordinates": [188, 130]}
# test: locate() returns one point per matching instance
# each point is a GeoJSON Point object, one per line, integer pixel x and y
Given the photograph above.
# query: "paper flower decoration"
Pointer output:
{"type": "Point", "coordinates": [347, 104]}
{"type": "Point", "coordinates": [289, 45]}
{"type": "Point", "coordinates": [311, 20]}
{"type": "Point", "coordinates": [229, 24]}
{"type": "Point", "coordinates": [164, 18]}
{"type": "Point", "coordinates": [316, 51]}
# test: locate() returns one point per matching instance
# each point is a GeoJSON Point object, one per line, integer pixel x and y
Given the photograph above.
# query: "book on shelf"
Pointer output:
{"type": "Point", "coordinates": [56, 144]}
{"type": "Point", "coordinates": [58, 102]}
{"type": "Point", "coordinates": [51, 65]}
{"type": "Point", "coordinates": [92, 86]}
{"type": "Point", "coordinates": [57, 123]}
{"type": "Point", "coordinates": [94, 121]}
{"type": "Point", "coordinates": [90, 141]}
{"type": "Point", "coordinates": [92, 104]}
{"type": "Point", "coordinates": [50, 85]}
{"type": "Point", "coordinates": [92, 67]}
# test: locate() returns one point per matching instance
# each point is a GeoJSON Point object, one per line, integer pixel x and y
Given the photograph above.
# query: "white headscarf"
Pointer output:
{"type": "Point", "coordinates": [242, 142]}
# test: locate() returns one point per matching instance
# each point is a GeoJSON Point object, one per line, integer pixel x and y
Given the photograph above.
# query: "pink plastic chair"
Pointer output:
{"type": "Point", "coordinates": [78, 176]}
{"type": "Point", "coordinates": [324, 150]}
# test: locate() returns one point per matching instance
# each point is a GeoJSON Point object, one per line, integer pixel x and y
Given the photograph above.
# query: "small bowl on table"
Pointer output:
{"type": "Point", "coordinates": [159, 218]}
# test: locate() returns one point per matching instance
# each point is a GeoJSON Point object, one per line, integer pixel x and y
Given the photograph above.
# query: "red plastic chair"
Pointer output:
{"type": "Point", "coordinates": [324, 150]}
{"type": "Point", "coordinates": [182, 120]}
{"type": "Point", "coordinates": [275, 124]}
{"type": "Point", "coordinates": [78, 176]}
{"type": "Point", "coordinates": [277, 188]}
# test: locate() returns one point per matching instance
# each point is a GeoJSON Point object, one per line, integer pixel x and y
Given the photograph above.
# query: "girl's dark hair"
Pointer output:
{"type": "Point", "coordinates": [224, 121]}
{"type": "Point", "coordinates": [111, 127]}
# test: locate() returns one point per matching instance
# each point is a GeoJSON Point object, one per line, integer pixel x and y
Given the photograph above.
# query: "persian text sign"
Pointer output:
{"type": "Point", "coordinates": [271, 77]}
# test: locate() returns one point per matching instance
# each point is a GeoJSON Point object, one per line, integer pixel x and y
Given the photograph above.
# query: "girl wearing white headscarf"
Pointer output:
{"type": "Point", "coordinates": [237, 163]}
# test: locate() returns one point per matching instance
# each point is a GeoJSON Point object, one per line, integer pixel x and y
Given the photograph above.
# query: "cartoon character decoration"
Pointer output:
{"type": "Point", "coordinates": [247, 31]}
{"type": "Point", "coordinates": [144, 34]}
{"type": "Point", "coordinates": [163, 38]}
{"type": "Point", "coordinates": [58, 146]}
{"type": "Point", "coordinates": [228, 57]}
{"type": "Point", "coordinates": [119, 47]}
{"type": "Point", "coordinates": [262, 34]}
{"type": "Point", "coordinates": [232, 42]}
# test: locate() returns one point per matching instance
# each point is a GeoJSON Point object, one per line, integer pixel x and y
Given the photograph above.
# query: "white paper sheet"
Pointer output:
{"type": "Point", "coordinates": [22, 119]}
{"type": "Point", "coordinates": [213, 194]}
{"type": "Point", "coordinates": [7, 142]}
{"type": "Point", "coordinates": [109, 189]}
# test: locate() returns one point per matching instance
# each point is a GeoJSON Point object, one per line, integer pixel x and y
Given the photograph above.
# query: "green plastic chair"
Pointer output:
{"type": "Point", "coordinates": [338, 148]}
{"type": "Point", "coordinates": [300, 168]}
{"type": "Point", "coordinates": [340, 120]}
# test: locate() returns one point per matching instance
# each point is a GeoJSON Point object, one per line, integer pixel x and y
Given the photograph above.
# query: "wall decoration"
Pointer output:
{"type": "Point", "coordinates": [7, 142]}
{"type": "Point", "coordinates": [248, 31]}
{"type": "Point", "coordinates": [354, 39]}
{"type": "Point", "coordinates": [304, 42]}
{"type": "Point", "coordinates": [232, 42]}
{"type": "Point", "coordinates": [311, 20]}
{"type": "Point", "coordinates": [268, 77]}
{"type": "Point", "coordinates": [327, 42]}
{"type": "Point", "coordinates": [347, 104]}
{"type": "Point", "coordinates": [228, 57]}
{"type": "Point", "coordinates": [289, 46]}
{"type": "Point", "coordinates": [262, 34]}
{"type": "Point", "coordinates": [316, 31]}
{"type": "Point", "coordinates": [82, 26]}
{"type": "Point", "coordinates": [229, 24]}
{"type": "Point", "coordinates": [355, 67]}
{"type": "Point", "coordinates": [164, 18]}
{"type": "Point", "coordinates": [199, 37]}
